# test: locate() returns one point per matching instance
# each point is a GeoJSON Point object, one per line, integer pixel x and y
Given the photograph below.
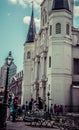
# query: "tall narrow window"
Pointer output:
{"type": "Point", "coordinates": [38, 70]}
{"type": "Point", "coordinates": [28, 55]}
{"type": "Point", "coordinates": [45, 17]}
{"type": "Point", "coordinates": [45, 64]}
{"type": "Point", "coordinates": [43, 20]}
{"type": "Point", "coordinates": [67, 29]}
{"type": "Point", "coordinates": [49, 61]}
{"type": "Point", "coordinates": [58, 28]}
{"type": "Point", "coordinates": [50, 30]}
{"type": "Point", "coordinates": [76, 66]}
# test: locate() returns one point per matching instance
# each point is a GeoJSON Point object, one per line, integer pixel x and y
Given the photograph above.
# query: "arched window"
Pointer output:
{"type": "Point", "coordinates": [67, 29]}
{"type": "Point", "coordinates": [28, 55]}
{"type": "Point", "coordinates": [58, 28]}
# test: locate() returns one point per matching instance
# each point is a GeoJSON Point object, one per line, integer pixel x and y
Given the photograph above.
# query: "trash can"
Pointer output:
{"type": "Point", "coordinates": [3, 115]}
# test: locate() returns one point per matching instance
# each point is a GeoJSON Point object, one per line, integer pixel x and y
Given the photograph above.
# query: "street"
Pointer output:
{"type": "Point", "coordinates": [20, 125]}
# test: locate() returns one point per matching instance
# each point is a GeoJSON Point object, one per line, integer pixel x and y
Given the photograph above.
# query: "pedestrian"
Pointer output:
{"type": "Point", "coordinates": [61, 109]}
{"type": "Point", "coordinates": [40, 104]}
{"type": "Point", "coordinates": [51, 109]}
{"type": "Point", "coordinates": [26, 108]}
{"type": "Point", "coordinates": [19, 110]}
{"type": "Point", "coordinates": [23, 108]}
{"type": "Point", "coordinates": [31, 105]}
{"type": "Point", "coordinates": [9, 110]}
{"type": "Point", "coordinates": [55, 109]}
{"type": "Point", "coordinates": [14, 108]}
{"type": "Point", "coordinates": [45, 107]}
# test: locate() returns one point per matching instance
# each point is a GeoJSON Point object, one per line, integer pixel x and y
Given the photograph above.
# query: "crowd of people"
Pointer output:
{"type": "Point", "coordinates": [31, 106]}
{"type": "Point", "coordinates": [56, 109]}
{"type": "Point", "coordinates": [14, 109]}
{"type": "Point", "coordinates": [38, 105]}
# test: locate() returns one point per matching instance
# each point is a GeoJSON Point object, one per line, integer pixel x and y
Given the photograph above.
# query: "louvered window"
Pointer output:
{"type": "Point", "coordinates": [67, 29]}
{"type": "Point", "coordinates": [58, 28]}
{"type": "Point", "coordinates": [28, 55]}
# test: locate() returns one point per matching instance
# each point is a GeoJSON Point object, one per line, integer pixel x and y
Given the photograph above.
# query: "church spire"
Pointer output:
{"type": "Point", "coordinates": [32, 28]}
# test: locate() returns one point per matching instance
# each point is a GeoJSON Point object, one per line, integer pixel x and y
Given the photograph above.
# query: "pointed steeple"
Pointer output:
{"type": "Point", "coordinates": [60, 4]}
{"type": "Point", "coordinates": [32, 28]}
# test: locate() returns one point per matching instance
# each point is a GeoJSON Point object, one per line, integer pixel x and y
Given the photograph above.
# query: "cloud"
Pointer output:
{"type": "Point", "coordinates": [9, 14]}
{"type": "Point", "coordinates": [26, 20]}
{"type": "Point", "coordinates": [13, 1]}
{"type": "Point", "coordinates": [24, 3]}
{"type": "Point", "coordinates": [76, 10]}
{"type": "Point", "coordinates": [37, 22]}
{"type": "Point", "coordinates": [36, 3]}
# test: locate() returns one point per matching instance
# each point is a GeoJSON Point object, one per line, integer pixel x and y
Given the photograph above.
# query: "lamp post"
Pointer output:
{"type": "Point", "coordinates": [6, 85]}
{"type": "Point", "coordinates": [48, 94]}
{"type": "Point", "coordinates": [8, 63]}
{"type": "Point", "coordinates": [3, 106]}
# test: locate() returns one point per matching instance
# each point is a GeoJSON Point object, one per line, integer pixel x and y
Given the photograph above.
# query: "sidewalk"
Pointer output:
{"type": "Point", "coordinates": [20, 125]}
{"type": "Point", "coordinates": [16, 125]}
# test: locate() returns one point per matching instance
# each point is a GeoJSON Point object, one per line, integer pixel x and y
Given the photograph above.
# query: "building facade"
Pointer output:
{"type": "Point", "coordinates": [12, 70]}
{"type": "Point", "coordinates": [51, 57]}
{"type": "Point", "coordinates": [15, 86]}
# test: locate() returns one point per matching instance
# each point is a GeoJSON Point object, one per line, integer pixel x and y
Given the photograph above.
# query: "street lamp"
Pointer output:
{"type": "Point", "coordinates": [48, 94]}
{"type": "Point", "coordinates": [3, 106]}
{"type": "Point", "coordinates": [8, 63]}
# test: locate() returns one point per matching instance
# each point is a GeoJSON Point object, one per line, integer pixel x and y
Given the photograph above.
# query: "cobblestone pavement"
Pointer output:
{"type": "Point", "coordinates": [20, 125]}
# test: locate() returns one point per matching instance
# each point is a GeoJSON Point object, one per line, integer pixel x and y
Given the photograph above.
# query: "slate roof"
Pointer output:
{"type": "Point", "coordinates": [32, 29]}
{"type": "Point", "coordinates": [60, 4]}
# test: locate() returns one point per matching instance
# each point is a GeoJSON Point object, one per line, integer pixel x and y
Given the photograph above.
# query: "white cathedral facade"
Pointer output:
{"type": "Point", "coordinates": [51, 57]}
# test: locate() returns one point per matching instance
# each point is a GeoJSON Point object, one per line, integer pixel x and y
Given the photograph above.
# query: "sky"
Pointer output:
{"type": "Point", "coordinates": [14, 22]}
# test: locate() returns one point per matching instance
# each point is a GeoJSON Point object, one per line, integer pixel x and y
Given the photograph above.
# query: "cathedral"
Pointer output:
{"type": "Point", "coordinates": [51, 57]}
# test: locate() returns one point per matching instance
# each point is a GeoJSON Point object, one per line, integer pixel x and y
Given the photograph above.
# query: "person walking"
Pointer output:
{"type": "Point", "coordinates": [40, 104]}
{"type": "Point", "coordinates": [55, 109]}
{"type": "Point", "coordinates": [26, 108]}
{"type": "Point", "coordinates": [14, 108]}
{"type": "Point", "coordinates": [9, 110]}
{"type": "Point", "coordinates": [51, 109]}
{"type": "Point", "coordinates": [31, 105]}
